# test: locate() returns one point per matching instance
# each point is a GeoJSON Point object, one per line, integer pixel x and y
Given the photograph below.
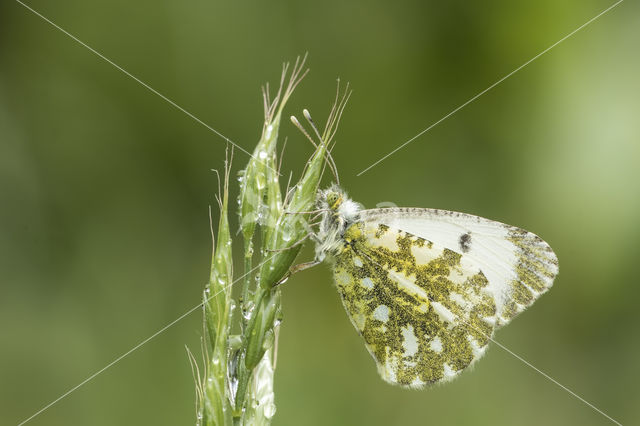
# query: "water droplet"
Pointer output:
{"type": "Point", "coordinates": [263, 155]}
{"type": "Point", "coordinates": [287, 232]}
{"type": "Point", "coordinates": [247, 310]}
{"type": "Point", "coordinates": [232, 379]}
{"type": "Point", "coordinates": [260, 181]}
{"type": "Point", "coordinates": [232, 382]}
{"type": "Point", "coordinates": [269, 410]}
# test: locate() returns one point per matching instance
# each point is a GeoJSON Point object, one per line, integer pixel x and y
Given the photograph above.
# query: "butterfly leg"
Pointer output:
{"type": "Point", "coordinates": [302, 266]}
{"type": "Point", "coordinates": [297, 268]}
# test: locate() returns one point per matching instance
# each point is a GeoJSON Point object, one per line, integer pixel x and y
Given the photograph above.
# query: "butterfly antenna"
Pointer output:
{"type": "Point", "coordinates": [330, 152]}
{"type": "Point", "coordinates": [334, 168]}
{"type": "Point", "coordinates": [295, 121]}
{"type": "Point", "coordinates": [306, 114]}
{"type": "Point", "coordinates": [330, 162]}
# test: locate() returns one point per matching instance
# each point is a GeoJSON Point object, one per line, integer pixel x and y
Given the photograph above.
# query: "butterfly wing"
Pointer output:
{"type": "Point", "coordinates": [424, 310]}
{"type": "Point", "coordinates": [518, 264]}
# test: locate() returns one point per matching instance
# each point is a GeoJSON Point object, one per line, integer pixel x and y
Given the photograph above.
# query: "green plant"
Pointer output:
{"type": "Point", "coordinates": [236, 387]}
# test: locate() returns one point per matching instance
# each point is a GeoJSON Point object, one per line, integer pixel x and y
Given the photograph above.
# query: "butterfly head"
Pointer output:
{"type": "Point", "coordinates": [336, 202]}
{"type": "Point", "coordinates": [338, 212]}
{"type": "Point", "coordinates": [334, 199]}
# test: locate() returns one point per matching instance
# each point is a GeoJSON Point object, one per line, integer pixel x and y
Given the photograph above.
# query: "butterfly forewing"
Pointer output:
{"type": "Point", "coordinates": [425, 311]}
{"type": "Point", "coordinates": [519, 265]}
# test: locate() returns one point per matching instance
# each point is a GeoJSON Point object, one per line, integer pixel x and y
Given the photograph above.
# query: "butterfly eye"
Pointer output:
{"type": "Point", "coordinates": [332, 199]}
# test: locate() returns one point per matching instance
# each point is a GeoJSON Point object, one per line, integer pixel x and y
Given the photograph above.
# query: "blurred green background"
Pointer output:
{"type": "Point", "coordinates": [104, 190]}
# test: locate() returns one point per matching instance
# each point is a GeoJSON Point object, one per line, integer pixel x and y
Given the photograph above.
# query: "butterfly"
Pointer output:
{"type": "Point", "coordinates": [427, 288]}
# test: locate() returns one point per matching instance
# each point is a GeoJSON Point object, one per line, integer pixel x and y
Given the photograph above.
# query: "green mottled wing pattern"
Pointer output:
{"type": "Point", "coordinates": [423, 310]}
{"type": "Point", "coordinates": [518, 264]}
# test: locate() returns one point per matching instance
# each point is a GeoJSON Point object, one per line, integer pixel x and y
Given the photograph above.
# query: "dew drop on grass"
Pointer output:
{"type": "Point", "coordinates": [247, 310]}
{"type": "Point", "coordinates": [233, 388]}
{"type": "Point", "coordinates": [287, 232]}
{"type": "Point", "coordinates": [260, 181]}
{"type": "Point", "coordinates": [269, 410]}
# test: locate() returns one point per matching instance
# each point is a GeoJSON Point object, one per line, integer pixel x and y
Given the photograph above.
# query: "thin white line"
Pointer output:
{"type": "Point", "coordinates": [531, 365]}
{"type": "Point", "coordinates": [136, 347]}
{"type": "Point", "coordinates": [145, 85]}
{"type": "Point", "coordinates": [542, 373]}
{"type": "Point", "coordinates": [552, 379]}
{"type": "Point", "coordinates": [491, 87]}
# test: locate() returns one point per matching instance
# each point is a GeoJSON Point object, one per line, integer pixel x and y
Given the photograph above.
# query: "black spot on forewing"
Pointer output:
{"type": "Point", "coordinates": [465, 242]}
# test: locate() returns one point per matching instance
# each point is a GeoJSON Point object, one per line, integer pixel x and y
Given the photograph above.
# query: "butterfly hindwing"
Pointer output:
{"type": "Point", "coordinates": [519, 265]}
{"type": "Point", "coordinates": [424, 311]}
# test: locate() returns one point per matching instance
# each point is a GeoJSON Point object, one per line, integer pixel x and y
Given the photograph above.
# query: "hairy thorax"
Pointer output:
{"type": "Point", "coordinates": [339, 212]}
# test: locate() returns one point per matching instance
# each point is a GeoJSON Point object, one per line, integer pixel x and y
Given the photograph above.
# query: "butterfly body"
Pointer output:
{"type": "Point", "coordinates": [427, 288]}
